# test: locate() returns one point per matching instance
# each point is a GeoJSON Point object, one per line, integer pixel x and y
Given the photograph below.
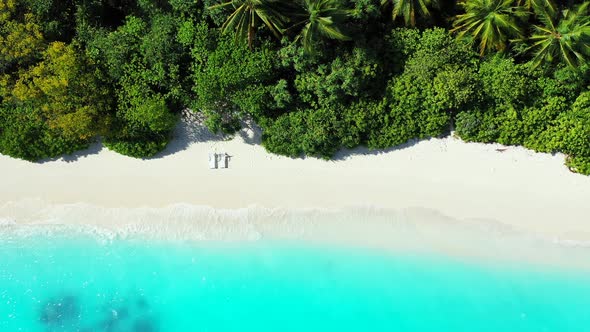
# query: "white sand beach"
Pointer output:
{"type": "Point", "coordinates": [514, 189]}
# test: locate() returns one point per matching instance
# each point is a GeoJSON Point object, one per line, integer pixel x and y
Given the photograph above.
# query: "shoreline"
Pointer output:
{"type": "Point", "coordinates": [413, 231]}
{"type": "Point", "coordinates": [516, 190]}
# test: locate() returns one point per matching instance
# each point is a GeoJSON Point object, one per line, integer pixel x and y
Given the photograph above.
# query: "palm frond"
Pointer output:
{"type": "Point", "coordinates": [410, 9]}
{"type": "Point", "coordinates": [492, 22]}
{"type": "Point", "coordinates": [321, 19]}
{"type": "Point", "coordinates": [248, 14]}
{"type": "Point", "coordinates": [561, 36]}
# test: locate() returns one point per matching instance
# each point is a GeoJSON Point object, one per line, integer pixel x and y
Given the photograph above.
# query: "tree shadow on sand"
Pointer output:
{"type": "Point", "coordinates": [93, 149]}
{"type": "Point", "coordinates": [189, 130]}
{"type": "Point", "coordinates": [251, 133]}
{"type": "Point", "coordinates": [344, 154]}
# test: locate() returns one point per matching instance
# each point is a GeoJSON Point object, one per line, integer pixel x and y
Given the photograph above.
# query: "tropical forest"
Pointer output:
{"type": "Point", "coordinates": [315, 76]}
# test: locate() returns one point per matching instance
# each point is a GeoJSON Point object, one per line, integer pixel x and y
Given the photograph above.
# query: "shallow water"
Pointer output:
{"type": "Point", "coordinates": [78, 283]}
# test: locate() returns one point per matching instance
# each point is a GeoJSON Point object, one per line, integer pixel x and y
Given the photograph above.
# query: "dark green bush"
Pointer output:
{"type": "Point", "coordinates": [232, 82]}
{"type": "Point", "coordinates": [574, 127]}
{"type": "Point", "coordinates": [354, 75]}
{"type": "Point", "coordinates": [438, 79]}
{"type": "Point", "coordinates": [143, 147]}
{"type": "Point", "coordinates": [25, 135]}
{"type": "Point", "coordinates": [507, 83]}
{"type": "Point", "coordinates": [304, 132]}
{"type": "Point", "coordinates": [538, 113]}
{"type": "Point", "coordinates": [564, 82]}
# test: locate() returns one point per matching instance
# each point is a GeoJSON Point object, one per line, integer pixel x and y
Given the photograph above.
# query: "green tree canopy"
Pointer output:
{"type": "Point", "coordinates": [320, 19]}
{"type": "Point", "coordinates": [143, 60]}
{"type": "Point", "coordinates": [491, 22]}
{"type": "Point", "coordinates": [21, 39]}
{"type": "Point", "coordinates": [65, 88]}
{"type": "Point", "coordinates": [248, 15]}
{"type": "Point", "coordinates": [410, 9]}
{"type": "Point", "coordinates": [55, 106]}
{"type": "Point", "coordinates": [231, 82]}
{"type": "Point", "coordinates": [562, 37]}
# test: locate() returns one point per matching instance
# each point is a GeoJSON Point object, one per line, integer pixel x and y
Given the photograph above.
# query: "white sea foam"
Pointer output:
{"type": "Point", "coordinates": [7, 222]}
{"type": "Point", "coordinates": [407, 230]}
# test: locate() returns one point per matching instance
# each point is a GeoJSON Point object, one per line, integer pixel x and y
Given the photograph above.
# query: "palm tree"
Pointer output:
{"type": "Point", "coordinates": [248, 15]}
{"type": "Point", "coordinates": [563, 36]}
{"type": "Point", "coordinates": [320, 18]}
{"type": "Point", "coordinates": [492, 22]}
{"type": "Point", "coordinates": [407, 9]}
{"type": "Point", "coordinates": [530, 5]}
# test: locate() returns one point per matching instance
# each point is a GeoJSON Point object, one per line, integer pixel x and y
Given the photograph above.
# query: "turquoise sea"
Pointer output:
{"type": "Point", "coordinates": [80, 283]}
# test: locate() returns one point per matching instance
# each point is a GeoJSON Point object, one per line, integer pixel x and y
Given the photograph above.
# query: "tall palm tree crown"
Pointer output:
{"type": "Point", "coordinates": [408, 9]}
{"type": "Point", "coordinates": [248, 15]}
{"type": "Point", "coordinates": [563, 36]}
{"type": "Point", "coordinates": [320, 18]}
{"type": "Point", "coordinates": [492, 22]}
{"type": "Point", "coordinates": [530, 5]}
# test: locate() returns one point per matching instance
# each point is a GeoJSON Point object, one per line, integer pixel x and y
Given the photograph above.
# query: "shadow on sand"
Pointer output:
{"type": "Point", "coordinates": [189, 130]}
{"type": "Point", "coordinates": [93, 148]}
{"type": "Point", "coordinates": [251, 133]}
{"type": "Point", "coordinates": [192, 130]}
{"type": "Point", "coordinates": [345, 154]}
